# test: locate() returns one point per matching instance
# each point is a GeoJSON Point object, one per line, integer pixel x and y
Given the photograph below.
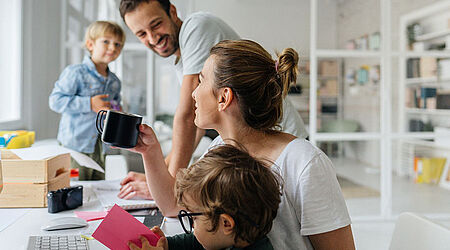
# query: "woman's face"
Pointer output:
{"type": "Point", "coordinates": [206, 103]}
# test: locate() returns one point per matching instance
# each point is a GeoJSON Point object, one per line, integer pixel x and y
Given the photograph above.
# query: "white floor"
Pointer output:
{"type": "Point", "coordinates": [369, 229]}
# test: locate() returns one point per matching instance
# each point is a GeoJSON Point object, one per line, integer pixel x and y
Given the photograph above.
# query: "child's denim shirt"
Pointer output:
{"type": "Point", "coordinates": [71, 97]}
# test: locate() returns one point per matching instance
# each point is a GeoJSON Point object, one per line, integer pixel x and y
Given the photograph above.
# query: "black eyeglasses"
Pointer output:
{"type": "Point", "coordinates": [186, 220]}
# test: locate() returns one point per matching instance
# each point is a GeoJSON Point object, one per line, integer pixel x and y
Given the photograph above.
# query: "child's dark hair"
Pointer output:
{"type": "Point", "coordinates": [229, 181]}
{"type": "Point", "coordinates": [127, 6]}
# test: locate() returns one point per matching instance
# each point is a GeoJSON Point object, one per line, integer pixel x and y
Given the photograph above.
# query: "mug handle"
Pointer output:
{"type": "Point", "coordinates": [99, 119]}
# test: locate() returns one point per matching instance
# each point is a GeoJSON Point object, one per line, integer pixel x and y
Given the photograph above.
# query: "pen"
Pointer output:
{"type": "Point", "coordinates": [162, 223]}
{"type": "Point", "coordinates": [86, 237]}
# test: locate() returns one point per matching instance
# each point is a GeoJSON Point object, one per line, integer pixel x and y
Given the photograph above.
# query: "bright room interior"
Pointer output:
{"type": "Point", "coordinates": [373, 89]}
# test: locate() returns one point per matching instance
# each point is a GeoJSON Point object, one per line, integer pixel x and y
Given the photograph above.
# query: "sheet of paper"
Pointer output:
{"type": "Point", "coordinates": [91, 215]}
{"type": "Point", "coordinates": [112, 234]}
{"type": "Point", "coordinates": [111, 185]}
{"type": "Point", "coordinates": [10, 215]}
{"type": "Point", "coordinates": [107, 191]}
{"type": "Point", "coordinates": [42, 152]}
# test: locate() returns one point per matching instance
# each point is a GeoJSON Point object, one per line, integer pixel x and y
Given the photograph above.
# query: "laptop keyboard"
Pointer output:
{"type": "Point", "coordinates": [50, 242]}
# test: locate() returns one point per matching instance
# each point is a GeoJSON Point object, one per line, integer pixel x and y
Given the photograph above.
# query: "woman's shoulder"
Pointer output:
{"type": "Point", "coordinates": [299, 152]}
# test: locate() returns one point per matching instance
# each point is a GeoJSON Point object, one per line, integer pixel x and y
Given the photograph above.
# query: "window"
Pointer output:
{"type": "Point", "coordinates": [10, 62]}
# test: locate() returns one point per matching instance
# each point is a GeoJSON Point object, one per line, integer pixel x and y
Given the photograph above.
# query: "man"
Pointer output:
{"type": "Point", "coordinates": [156, 24]}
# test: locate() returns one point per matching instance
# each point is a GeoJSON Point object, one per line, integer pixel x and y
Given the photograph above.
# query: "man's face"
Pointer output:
{"type": "Point", "coordinates": [154, 28]}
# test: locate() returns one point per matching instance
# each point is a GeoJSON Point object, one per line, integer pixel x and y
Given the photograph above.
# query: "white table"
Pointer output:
{"type": "Point", "coordinates": [16, 235]}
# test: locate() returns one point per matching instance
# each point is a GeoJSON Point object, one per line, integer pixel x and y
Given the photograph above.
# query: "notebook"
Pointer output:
{"type": "Point", "coordinates": [106, 192]}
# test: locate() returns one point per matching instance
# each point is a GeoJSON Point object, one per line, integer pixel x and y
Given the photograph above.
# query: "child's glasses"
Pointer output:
{"type": "Point", "coordinates": [186, 220]}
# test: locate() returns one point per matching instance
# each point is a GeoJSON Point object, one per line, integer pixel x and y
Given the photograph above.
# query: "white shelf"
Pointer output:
{"type": "Point", "coordinates": [428, 53]}
{"type": "Point", "coordinates": [428, 111]}
{"type": "Point", "coordinates": [416, 135]}
{"type": "Point", "coordinates": [358, 136]}
{"type": "Point", "coordinates": [427, 144]}
{"type": "Point", "coordinates": [324, 53]}
{"type": "Point", "coordinates": [433, 35]}
{"type": "Point", "coordinates": [421, 80]}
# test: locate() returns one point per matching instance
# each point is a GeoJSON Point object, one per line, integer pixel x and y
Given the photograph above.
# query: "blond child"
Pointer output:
{"type": "Point", "coordinates": [84, 89]}
{"type": "Point", "coordinates": [230, 198]}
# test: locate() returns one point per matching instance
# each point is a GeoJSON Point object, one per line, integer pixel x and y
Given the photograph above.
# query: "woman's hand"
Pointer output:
{"type": "Point", "coordinates": [147, 140]}
{"type": "Point", "coordinates": [161, 245]}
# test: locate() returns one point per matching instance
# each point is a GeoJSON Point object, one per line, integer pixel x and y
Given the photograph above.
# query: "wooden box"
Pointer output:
{"type": "Point", "coordinates": [27, 182]}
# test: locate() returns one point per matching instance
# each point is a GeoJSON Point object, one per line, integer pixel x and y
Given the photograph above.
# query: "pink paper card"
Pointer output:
{"type": "Point", "coordinates": [119, 227]}
{"type": "Point", "coordinates": [91, 215]}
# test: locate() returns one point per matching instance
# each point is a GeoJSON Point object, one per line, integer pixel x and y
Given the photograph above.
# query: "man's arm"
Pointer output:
{"type": "Point", "coordinates": [341, 238]}
{"type": "Point", "coordinates": [184, 129]}
{"type": "Point", "coordinates": [198, 137]}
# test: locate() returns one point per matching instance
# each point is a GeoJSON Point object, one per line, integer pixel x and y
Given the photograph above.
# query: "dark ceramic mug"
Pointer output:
{"type": "Point", "coordinates": [119, 129]}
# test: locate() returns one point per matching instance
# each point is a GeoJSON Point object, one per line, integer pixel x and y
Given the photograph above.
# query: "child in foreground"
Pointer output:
{"type": "Point", "coordinates": [84, 89]}
{"type": "Point", "coordinates": [231, 200]}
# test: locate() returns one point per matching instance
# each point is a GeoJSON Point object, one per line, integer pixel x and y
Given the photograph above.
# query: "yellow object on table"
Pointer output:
{"type": "Point", "coordinates": [20, 139]}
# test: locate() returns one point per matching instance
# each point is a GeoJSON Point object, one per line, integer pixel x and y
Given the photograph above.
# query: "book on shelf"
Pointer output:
{"type": "Point", "coordinates": [425, 95]}
{"type": "Point", "coordinates": [413, 68]}
{"type": "Point", "coordinates": [428, 67]}
{"type": "Point", "coordinates": [428, 170]}
{"type": "Point", "coordinates": [443, 99]}
{"type": "Point", "coordinates": [424, 98]}
{"type": "Point", "coordinates": [424, 67]}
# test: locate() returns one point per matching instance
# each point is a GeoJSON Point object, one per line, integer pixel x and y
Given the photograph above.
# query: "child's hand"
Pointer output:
{"type": "Point", "coordinates": [145, 245]}
{"type": "Point", "coordinates": [162, 242]}
{"type": "Point", "coordinates": [161, 245]}
{"type": "Point", "coordinates": [98, 103]}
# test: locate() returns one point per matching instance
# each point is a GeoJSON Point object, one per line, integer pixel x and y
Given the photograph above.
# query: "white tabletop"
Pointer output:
{"type": "Point", "coordinates": [16, 235]}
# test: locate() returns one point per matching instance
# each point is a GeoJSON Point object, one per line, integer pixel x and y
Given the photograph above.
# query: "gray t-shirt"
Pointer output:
{"type": "Point", "coordinates": [198, 34]}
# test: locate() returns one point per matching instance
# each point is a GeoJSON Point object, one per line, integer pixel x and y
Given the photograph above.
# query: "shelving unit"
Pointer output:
{"type": "Point", "coordinates": [379, 137]}
{"type": "Point", "coordinates": [385, 137]}
{"type": "Point", "coordinates": [413, 144]}
{"type": "Point", "coordinates": [405, 54]}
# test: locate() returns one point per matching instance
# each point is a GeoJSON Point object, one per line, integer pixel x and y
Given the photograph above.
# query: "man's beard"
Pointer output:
{"type": "Point", "coordinates": [172, 39]}
{"type": "Point", "coordinates": [172, 47]}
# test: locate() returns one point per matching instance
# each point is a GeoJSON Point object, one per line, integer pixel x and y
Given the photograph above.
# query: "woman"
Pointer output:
{"type": "Point", "coordinates": [240, 95]}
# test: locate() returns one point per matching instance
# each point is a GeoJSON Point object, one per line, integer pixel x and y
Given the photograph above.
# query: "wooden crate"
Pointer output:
{"type": "Point", "coordinates": [27, 182]}
{"type": "Point", "coordinates": [32, 171]}
{"type": "Point", "coordinates": [31, 194]}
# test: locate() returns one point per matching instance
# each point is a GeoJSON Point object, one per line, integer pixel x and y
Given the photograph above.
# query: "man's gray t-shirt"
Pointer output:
{"type": "Point", "coordinates": [198, 34]}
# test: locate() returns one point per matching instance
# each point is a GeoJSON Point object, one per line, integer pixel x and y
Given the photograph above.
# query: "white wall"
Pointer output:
{"type": "Point", "coordinates": [274, 24]}
{"type": "Point", "coordinates": [41, 39]}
